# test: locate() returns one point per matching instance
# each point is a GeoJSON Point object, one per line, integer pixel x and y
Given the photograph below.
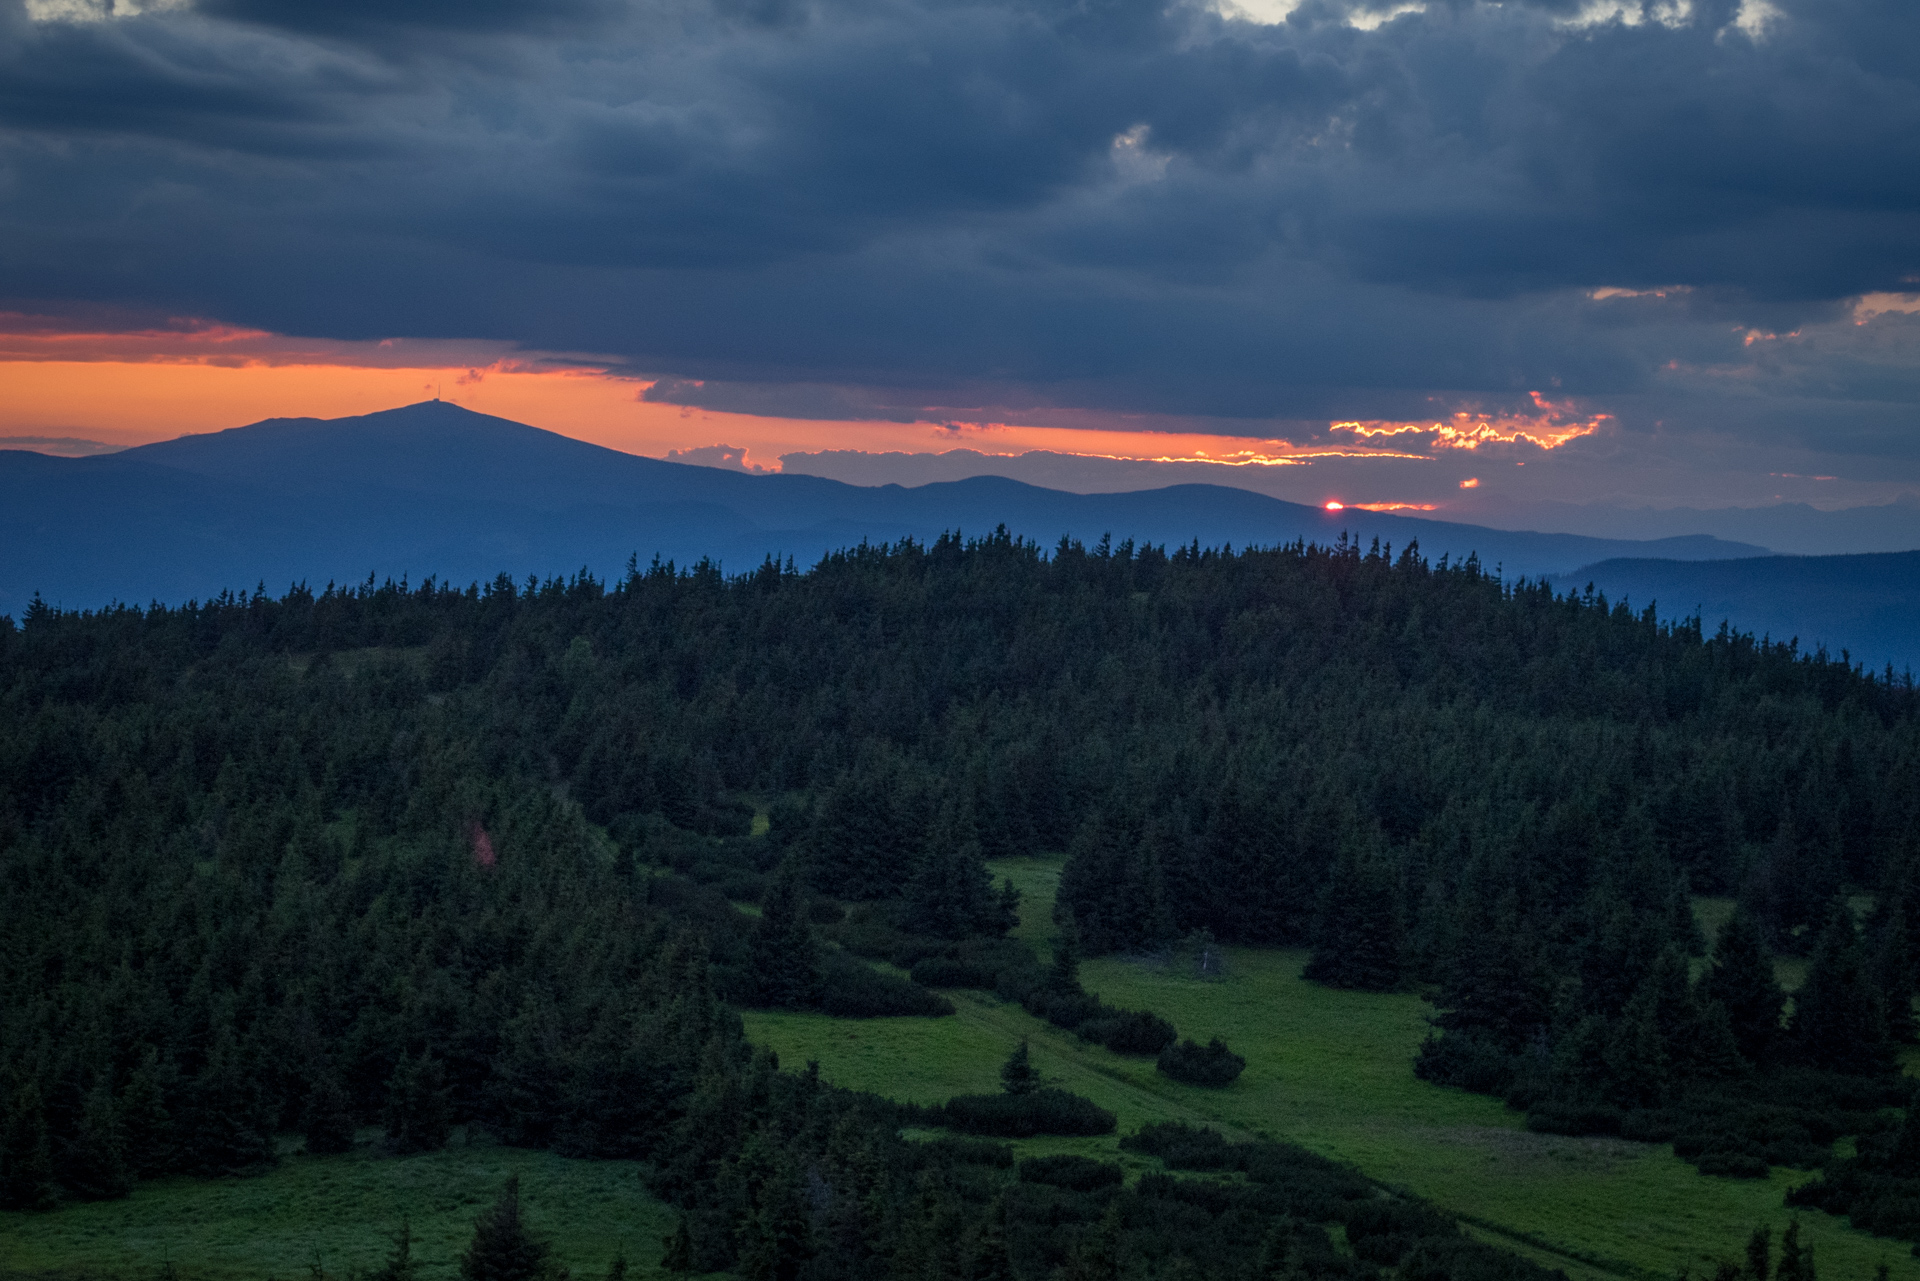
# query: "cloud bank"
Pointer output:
{"type": "Point", "coordinates": [1691, 217]}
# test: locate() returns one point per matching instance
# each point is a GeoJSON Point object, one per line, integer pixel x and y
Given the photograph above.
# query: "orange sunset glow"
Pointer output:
{"type": "Point", "coordinates": [130, 386]}
{"type": "Point", "coordinates": [124, 402]}
{"type": "Point", "coordinates": [1550, 428]}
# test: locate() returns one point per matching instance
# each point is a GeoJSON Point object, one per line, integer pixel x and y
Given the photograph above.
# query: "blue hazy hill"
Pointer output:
{"type": "Point", "coordinates": [1867, 604]}
{"type": "Point", "coordinates": [433, 489]}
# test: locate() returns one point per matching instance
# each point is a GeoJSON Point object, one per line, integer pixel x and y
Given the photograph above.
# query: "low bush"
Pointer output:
{"type": "Point", "coordinates": [968, 1151]}
{"type": "Point", "coordinates": [1561, 1117]}
{"type": "Point", "coordinates": [1181, 1146]}
{"type": "Point", "coordinates": [851, 990]}
{"type": "Point", "coordinates": [1076, 1173]}
{"type": "Point", "coordinates": [1383, 1229]}
{"type": "Point", "coordinates": [1463, 1060]}
{"type": "Point", "coordinates": [1067, 1010]}
{"type": "Point", "coordinates": [1021, 1116]}
{"type": "Point", "coordinates": [1212, 1065]}
{"type": "Point", "coordinates": [868, 930]}
{"type": "Point", "coordinates": [1129, 1032]}
{"type": "Point", "coordinates": [948, 971]}
{"type": "Point", "coordinates": [1732, 1165]}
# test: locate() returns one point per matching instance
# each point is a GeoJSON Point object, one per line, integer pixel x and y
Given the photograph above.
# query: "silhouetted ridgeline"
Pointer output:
{"type": "Point", "coordinates": [436, 489]}
{"type": "Point", "coordinates": [433, 856]}
{"type": "Point", "coordinates": [1868, 605]}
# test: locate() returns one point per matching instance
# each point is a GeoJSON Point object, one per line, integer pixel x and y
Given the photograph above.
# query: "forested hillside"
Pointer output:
{"type": "Point", "coordinates": [430, 856]}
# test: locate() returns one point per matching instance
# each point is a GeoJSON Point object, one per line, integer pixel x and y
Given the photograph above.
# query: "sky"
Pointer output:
{"type": "Point", "coordinates": [1458, 257]}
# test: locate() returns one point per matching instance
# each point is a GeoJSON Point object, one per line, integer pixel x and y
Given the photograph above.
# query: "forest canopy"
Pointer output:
{"type": "Point", "coordinates": [421, 856]}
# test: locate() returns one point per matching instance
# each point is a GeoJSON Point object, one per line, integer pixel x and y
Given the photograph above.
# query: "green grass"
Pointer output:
{"type": "Point", "coordinates": [1332, 1071]}
{"type": "Point", "coordinates": [342, 1210]}
{"type": "Point", "coordinates": [1328, 1070]}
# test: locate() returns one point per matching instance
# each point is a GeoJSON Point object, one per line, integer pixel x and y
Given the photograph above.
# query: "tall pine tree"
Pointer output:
{"type": "Point", "coordinates": [1839, 1023]}
{"type": "Point", "coordinates": [502, 1248]}
{"type": "Point", "coordinates": [1360, 938]}
{"type": "Point", "coordinates": [786, 967]}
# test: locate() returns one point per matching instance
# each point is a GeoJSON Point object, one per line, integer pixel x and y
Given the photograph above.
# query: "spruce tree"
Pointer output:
{"type": "Point", "coordinates": [144, 1119]}
{"type": "Point", "coordinates": [1741, 979]}
{"type": "Point", "coordinates": [1063, 973]}
{"type": "Point", "coordinates": [1277, 1253]}
{"type": "Point", "coordinates": [1360, 935]}
{"type": "Point", "coordinates": [1639, 1073]}
{"type": "Point", "coordinates": [1098, 1257]}
{"type": "Point", "coordinates": [93, 1164]}
{"type": "Point", "coordinates": [502, 1248]}
{"type": "Point", "coordinates": [419, 1112]}
{"type": "Point", "coordinates": [1838, 1021]}
{"type": "Point", "coordinates": [677, 1248]}
{"type": "Point", "coordinates": [778, 1238]}
{"type": "Point", "coordinates": [328, 1121]}
{"type": "Point", "coordinates": [1903, 1159]}
{"type": "Point", "coordinates": [1893, 971]}
{"type": "Point", "coordinates": [785, 965]}
{"type": "Point", "coordinates": [399, 1265]}
{"type": "Point", "coordinates": [1494, 982]}
{"type": "Point", "coordinates": [1017, 1074]}
{"type": "Point", "coordinates": [1796, 1260]}
{"type": "Point", "coordinates": [26, 1158]}
{"type": "Point", "coordinates": [990, 1260]}
{"type": "Point", "coordinates": [1759, 1254]}
{"type": "Point", "coordinates": [230, 1127]}
{"type": "Point", "coordinates": [1712, 1053]}
{"type": "Point", "coordinates": [951, 896]}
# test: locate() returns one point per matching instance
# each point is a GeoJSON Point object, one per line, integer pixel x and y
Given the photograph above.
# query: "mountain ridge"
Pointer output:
{"type": "Point", "coordinates": [435, 489]}
{"type": "Point", "coordinates": [1866, 603]}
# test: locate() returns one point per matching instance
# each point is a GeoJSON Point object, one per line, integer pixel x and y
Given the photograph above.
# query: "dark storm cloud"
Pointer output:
{"type": "Point", "coordinates": [1118, 203]}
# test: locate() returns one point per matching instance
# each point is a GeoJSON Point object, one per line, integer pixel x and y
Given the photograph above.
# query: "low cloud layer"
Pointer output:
{"type": "Point", "coordinates": [1696, 217]}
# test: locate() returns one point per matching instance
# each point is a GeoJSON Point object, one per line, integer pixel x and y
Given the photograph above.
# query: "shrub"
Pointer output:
{"type": "Point", "coordinates": [1130, 1032]}
{"type": "Point", "coordinates": [850, 990]}
{"type": "Point", "coordinates": [1394, 1218]}
{"type": "Point", "coordinates": [1212, 1065]}
{"type": "Point", "coordinates": [1732, 1165]}
{"type": "Point", "coordinates": [1181, 1146]}
{"type": "Point", "coordinates": [1021, 1116]}
{"type": "Point", "coordinates": [969, 1151]}
{"type": "Point", "coordinates": [1560, 1117]}
{"type": "Point", "coordinates": [947, 971]}
{"type": "Point", "coordinates": [868, 930]}
{"type": "Point", "coordinates": [1469, 1062]}
{"type": "Point", "coordinates": [1066, 1009]}
{"type": "Point", "coordinates": [1075, 1173]}
{"type": "Point", "coordinates": [740, 886]}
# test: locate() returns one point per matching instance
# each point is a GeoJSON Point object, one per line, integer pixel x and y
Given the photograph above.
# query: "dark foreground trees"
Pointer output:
{"type": "Point", "coordinates": [270, 864]}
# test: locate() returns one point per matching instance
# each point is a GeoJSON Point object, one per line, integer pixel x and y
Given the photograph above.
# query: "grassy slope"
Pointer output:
{"type": "Point", "coordinates": [1331, 1071]}
{"type": "Point", "coordinates": [342, 1210]}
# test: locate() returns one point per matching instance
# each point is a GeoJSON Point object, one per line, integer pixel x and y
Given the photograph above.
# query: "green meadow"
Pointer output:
{"type": "Point", "coordinates": [338, 1214]}
{"type": "Point", "coordinates": [1328, 1070]}
{"type": "Point", "coordinates": [1332, 1071]}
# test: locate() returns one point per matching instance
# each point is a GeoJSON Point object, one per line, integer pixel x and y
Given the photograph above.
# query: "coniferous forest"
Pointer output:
{"type": "Point", "coordinates": [423, 857]}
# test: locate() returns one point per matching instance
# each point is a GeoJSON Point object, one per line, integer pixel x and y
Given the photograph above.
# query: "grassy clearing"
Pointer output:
{"type": "Point", "coordinates": [340, 1211]}
{"type": "Point", "coordinates": [1332, 1071]}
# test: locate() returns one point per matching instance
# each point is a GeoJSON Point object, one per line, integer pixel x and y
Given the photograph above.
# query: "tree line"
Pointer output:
{"type": "Point", "coordinates": [424, 856]}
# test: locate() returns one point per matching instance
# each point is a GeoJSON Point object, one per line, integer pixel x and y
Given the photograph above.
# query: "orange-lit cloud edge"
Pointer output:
{"type": "Point", "coordinates": [129, 385]}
